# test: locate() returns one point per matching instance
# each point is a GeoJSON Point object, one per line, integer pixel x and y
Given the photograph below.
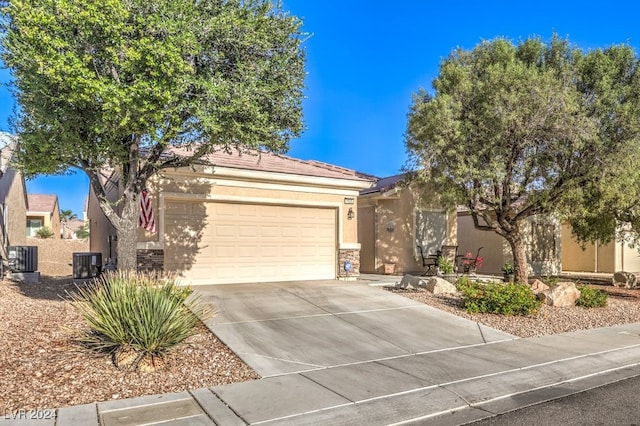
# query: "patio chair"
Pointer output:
{"type": "Point", "coordinates": [429, 261]}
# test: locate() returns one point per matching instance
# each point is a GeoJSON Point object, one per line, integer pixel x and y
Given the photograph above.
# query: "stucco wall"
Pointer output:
{"type": "Point", "coordinates": [366, 237]}
{"type": "Point", "coordinates": [630, 259]}
{"type": "Point", "coordinates": [392, 219]}
{"type": "Point", "coordinates": [54, 221]}
{"type": "Point", "coordinates": [185, 184]}
{"type": "Point", "coordinates": [101, 232]}
{"type": "Point", "coordinates": [12, 186]}
{"type": "Point", "coordinates": [597, 257]}
{"type": "Point", "coordinates": [493, 245]}
{"type": "Point", "coordinates": [543, 254]}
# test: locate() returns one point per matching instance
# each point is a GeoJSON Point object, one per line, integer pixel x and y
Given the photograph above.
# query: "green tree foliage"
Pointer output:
{"type": "Point", "coordinates": [519, 130]}
{"type": "Point", "coordinates": [67, 216]}
{"type": "Point", "coordinates": [114, 84]}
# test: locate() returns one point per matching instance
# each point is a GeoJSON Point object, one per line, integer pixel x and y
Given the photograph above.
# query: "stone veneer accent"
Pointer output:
{"type": "Point", "coordinates": [150, 260]}
{"type": "Point", "coordinates": [351, 255]}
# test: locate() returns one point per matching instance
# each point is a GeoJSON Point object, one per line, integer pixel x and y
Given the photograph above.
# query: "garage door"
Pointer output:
{"type": "Point", "coordinates": [221, 243]}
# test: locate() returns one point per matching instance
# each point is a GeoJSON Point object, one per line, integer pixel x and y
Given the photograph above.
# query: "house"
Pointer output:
{"type": "Point", "coordinates": [393, 219]}
{"type": "Point", "coordinates": [250, 217]}
{"type": "Point", "coordinates": [542, 239]}
{"type": "Point", "coordinates": [13, 197]}
{"type": "Point", "coordinates": [43, 212]}
{"type": "Point", "coordinates": [597, 257]}
{"type": "Point", "coordinates": [71, 228]}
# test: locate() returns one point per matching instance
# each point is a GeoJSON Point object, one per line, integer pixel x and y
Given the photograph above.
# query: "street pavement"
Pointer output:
{"type": "Point", "coordinates": [614, 404]}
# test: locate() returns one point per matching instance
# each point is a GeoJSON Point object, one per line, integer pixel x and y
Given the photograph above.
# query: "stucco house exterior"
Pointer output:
{"type": "Point", "coordinates": [236, 218]}
{"type": "Point", "coordinates": [13, 197]}
{"type": "Point", "coordinates": [393, 219]}
{"type": "Point", "coordinates": [43, 211]}
{"type": "Point", "coordinates": [542, 235]}
{"type": "Point", "coordinates": [597, 257]}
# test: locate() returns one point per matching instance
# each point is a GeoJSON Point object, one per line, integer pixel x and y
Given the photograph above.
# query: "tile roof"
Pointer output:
{"type": "Point", "coordinates": [41, 202]}
{"type": "Point", "coordinates": [270, 162]}
{"type": "Point", "coordinates": [385, 184]}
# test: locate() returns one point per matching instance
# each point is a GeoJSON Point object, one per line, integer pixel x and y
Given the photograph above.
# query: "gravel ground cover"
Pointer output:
{"type": "Point", "coordinates": [41, 367]}
{"type": "Point", "coordinates": [623, 307]}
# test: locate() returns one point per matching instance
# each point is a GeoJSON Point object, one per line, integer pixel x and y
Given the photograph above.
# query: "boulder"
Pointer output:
{"type": "Point", "coordinates": [410, 280]}
{"type": "Point", "coordinates": [563, 294]}
{"type": "Point", "coordinates": [624, 279]}
{"type": "Point", "coordinates": [538, 286]}
{"type": "Point", "coordinates": [437, 285]}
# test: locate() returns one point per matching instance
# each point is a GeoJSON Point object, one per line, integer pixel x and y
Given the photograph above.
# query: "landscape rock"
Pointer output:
{"type": "Point", "coordinates": [411, 280]}
{"type": "Point", "coordinates": [437, 285]}
{"type": "Point", "coordinates": [624, 279]}
{"type": "Point", "coordinates": [564, 294]}
{"type": "Point", "coordinates": [538, 287]}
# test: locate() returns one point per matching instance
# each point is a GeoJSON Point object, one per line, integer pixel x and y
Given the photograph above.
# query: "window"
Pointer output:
{"type": "Point", "coordinates": [32, 226]}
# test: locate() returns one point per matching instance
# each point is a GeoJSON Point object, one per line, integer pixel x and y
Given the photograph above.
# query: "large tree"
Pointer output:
{"type": "Point", "coordinates": [113, 84]}
{"type": "Point", "coordinates": [514, 131]}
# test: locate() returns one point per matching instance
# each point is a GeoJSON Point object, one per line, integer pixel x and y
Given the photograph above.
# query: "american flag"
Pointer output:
{"type": "Point", "coordinates": [146, 213]}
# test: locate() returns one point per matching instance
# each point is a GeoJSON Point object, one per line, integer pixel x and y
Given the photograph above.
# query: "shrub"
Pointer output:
{"type": "Point", "coordinates": [496, 298]}
{"type": "Point", "coordinates": [136, 317]}
{"type": "Point", "coordinates": [550, 281]}
{"type": "Point", "coordinates": [44, 232]}
{"type": "Point", "coordinates": [592, 298]}
{"type": "Point", "coordinates": [507, 269]}
{"type": "Point", "coordinates": [445, 266]}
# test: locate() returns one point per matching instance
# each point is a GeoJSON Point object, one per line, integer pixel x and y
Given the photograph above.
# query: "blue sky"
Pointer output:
{"type": "Point", "coordinates": [365, 59]}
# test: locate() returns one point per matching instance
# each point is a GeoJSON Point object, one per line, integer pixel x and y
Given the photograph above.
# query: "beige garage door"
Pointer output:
{"type": "Point", "coordinates": [221, 243]}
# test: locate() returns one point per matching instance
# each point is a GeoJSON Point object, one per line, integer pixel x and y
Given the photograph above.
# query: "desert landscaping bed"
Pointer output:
{"type": "Point", "coordinates": [42, 368]}
{"type": "Point", "coordinates": [623, 307]}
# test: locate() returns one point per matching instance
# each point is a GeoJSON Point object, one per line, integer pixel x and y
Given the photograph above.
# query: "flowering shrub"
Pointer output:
{"type": "Point", "coordinates": [469, 262]}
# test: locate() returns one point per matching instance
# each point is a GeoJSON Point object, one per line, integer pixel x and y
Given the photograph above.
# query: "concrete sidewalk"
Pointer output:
{"type": "Point", "coordinates": [332, 353]}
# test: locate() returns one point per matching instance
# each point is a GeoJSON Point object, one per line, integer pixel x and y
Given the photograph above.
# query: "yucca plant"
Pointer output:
{"type": "Point", "coordinates": [136, 317]}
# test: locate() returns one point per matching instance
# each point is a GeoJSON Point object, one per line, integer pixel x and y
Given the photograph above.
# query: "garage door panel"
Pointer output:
{"type": "Point", "coordinates": [224, 231]}
{"type": "Point", "coordinates": [268, 231]}
{"type": "Point", "coordinates": [250, 242]}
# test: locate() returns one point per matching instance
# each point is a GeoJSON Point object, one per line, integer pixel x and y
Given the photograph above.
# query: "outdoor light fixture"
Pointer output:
{"type": "Point", "coordinates": [351, 214]}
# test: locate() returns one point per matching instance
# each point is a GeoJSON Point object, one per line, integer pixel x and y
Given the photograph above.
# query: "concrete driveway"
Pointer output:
{"type": "Point", "coordinates": [280, 328]}
{"type": "Point", "coordinates": [339, 353]}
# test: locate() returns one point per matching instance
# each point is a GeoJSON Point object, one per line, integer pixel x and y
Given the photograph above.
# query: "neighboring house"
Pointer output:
{"type": "Point", "coordinates": [13, 197]}
{"type": "Point", "coordinates": [542, 236]}
{"type": "Point", "coordinates": [597, 257]}
{"type": "Point", "coordinates": [394, 219]}
{"type": "Point", "coordinates": [71, 227]}
{"type": "Point", "coordinates": [245, 218]}
{"type": "Point", "coordinates": [43, 211]}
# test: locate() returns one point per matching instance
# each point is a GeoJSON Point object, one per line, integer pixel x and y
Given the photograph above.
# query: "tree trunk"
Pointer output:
{"type": "Point", "coordinates": [518, 249]}
{"type": "Point", "coordinates": [127, 230]}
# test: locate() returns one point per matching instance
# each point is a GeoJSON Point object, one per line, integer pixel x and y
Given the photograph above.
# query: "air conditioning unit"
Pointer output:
{"type": "Point", "coordinates": [87, 265]}
{"type": "Point", "coordinates": [23, 258]}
